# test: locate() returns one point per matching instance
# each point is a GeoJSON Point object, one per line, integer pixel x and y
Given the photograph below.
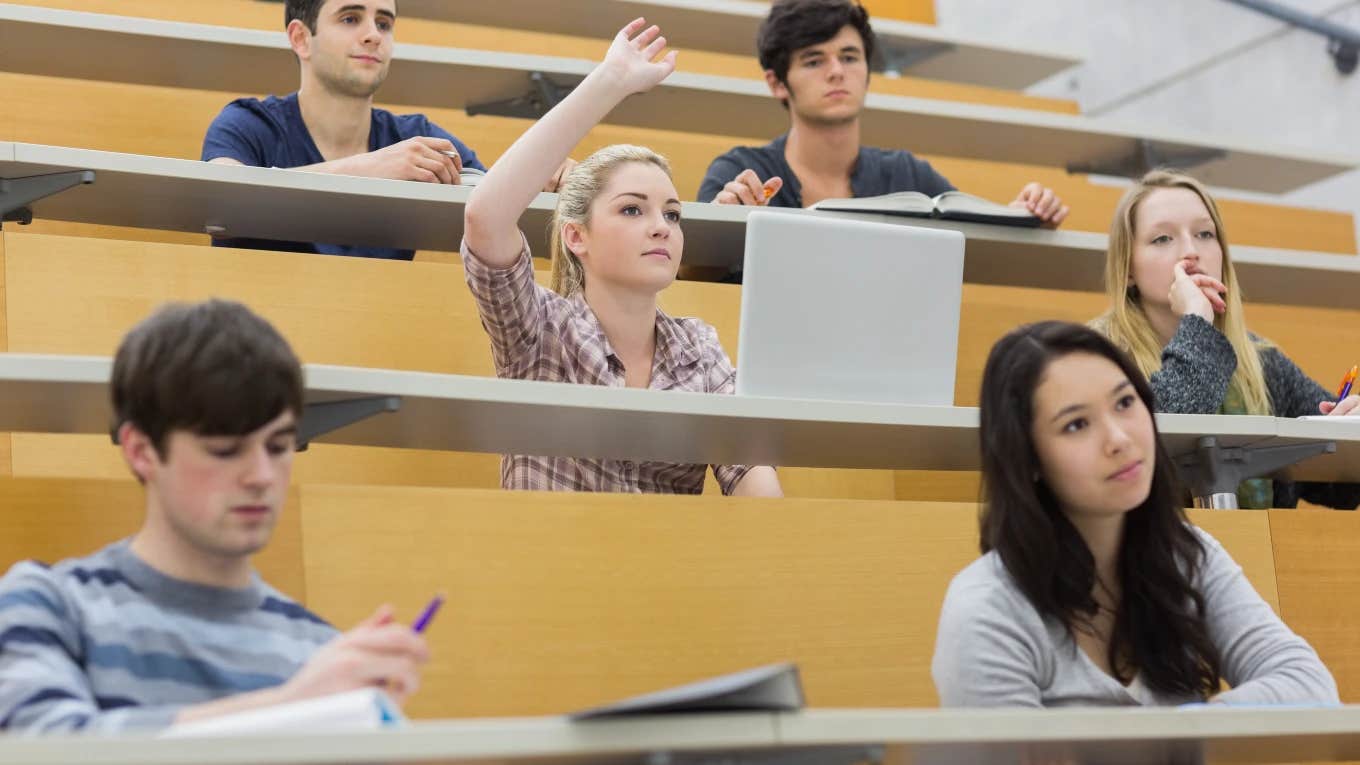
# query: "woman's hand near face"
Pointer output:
{"type": "Point", "coordinates": [1197, 294]}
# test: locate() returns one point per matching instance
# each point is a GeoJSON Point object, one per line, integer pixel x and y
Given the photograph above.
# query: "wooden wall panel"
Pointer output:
{"type": "Point", "coordinates": [1254, 223]}
{"type": "Point", "coordinates": [5, 463]}
{"type": "Point", "coordinates": [1317, 563]}
{"type": "Point", "coordinates": [919, 11]}
{"type": "Point", "coordinates": [48, 520]}
{"type": "Point", "coordinates": [98, 115]}
{"type": "Point", "coordinates": [557, 601]}
{"type": "Point", "coordinates": [562, 601]}
{"type": "Point", "coordinates": [257, 15]}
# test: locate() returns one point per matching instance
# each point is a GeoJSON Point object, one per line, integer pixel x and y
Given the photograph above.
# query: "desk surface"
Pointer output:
{"type": "Point", "coordinates": [906, 735]}
{"type": "Point", "coordinates": [729, 26]}
{"type": "Point", "coordinates": [183, 195]}
{"type": "Point", "coordinates": [104, 47]}
{"type": "Point", "coordinates": [68, 394]}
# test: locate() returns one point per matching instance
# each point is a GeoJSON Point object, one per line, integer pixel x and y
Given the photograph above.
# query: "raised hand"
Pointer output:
{"type": "Point", "coordinates": [1198, 294]}
{"type": "Point", "coordinates": [629, 63]}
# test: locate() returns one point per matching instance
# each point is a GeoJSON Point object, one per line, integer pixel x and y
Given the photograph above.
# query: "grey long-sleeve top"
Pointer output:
{"type": "Point", "coordinates": [1197, 366]}
{"type": "Point", "coordinates": [994, 650]}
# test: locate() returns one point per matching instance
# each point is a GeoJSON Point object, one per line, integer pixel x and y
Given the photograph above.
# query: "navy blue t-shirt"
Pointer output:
{"type": "Point", "coordinates": [271, 133]}
{"type": "Point", "coordinates": [877, 172]}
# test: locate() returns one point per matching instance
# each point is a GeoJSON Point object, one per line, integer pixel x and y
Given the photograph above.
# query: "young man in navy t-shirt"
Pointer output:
{"type": "Point", "coordinates": [329, 125]}
{"type": "Point", "coordinates": [816, 54]}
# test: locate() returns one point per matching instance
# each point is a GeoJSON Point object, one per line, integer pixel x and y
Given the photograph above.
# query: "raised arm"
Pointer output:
{"type": "Point", "coordinates": [491, 219]}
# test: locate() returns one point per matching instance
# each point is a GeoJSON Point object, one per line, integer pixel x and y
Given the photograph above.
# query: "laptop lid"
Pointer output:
{"type": "Point", "coordinates": [848, 310]}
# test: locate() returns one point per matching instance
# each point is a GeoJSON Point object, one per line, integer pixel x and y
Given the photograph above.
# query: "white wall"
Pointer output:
{"type": "Point", "coordinates": [1203, 65]}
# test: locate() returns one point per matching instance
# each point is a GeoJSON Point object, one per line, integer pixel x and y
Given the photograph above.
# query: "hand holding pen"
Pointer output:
{"type": "Point", "coordinates": [1346, 404]}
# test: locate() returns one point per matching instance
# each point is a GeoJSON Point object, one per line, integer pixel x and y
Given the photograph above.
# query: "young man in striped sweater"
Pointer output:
{"type": "Point", "coordinates": [173, 624]}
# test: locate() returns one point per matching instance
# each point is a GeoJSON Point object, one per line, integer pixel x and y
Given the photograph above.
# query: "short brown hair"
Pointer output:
{"type": "Point", "coordinates": [306, 11]}
{"type": "Point", "coordinates": [796, 24]}
{"type": "Point", "coordinates": [213, 368]}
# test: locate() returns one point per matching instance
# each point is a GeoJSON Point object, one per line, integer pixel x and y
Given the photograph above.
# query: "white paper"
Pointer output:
{"type": "Point", "coordinates": [363, 709]}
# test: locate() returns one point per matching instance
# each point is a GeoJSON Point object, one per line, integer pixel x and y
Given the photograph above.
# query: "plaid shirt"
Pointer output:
{"type": "Point", "coordinates": [537, 334]}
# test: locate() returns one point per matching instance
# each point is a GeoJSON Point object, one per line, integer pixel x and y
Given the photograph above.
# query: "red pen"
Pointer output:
{"type": "Point", "coordinates": [1347, 382]}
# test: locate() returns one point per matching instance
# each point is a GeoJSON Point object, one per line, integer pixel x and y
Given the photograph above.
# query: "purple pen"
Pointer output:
{"type": "Point", "coordinates": [427, 615]}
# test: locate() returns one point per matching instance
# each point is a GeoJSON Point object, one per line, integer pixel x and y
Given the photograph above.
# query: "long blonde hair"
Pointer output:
{"type": "Point", "coordinates": [574, 199]}
{"type": "Point", "coordinates": [1126, 323]}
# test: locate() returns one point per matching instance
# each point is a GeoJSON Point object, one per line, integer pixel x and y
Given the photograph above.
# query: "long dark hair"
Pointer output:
{"type": "Point", "coordinates": [1159, 626]}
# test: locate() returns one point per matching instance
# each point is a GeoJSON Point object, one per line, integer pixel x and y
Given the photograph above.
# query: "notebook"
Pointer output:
{"type": "Point", "coordinates": [847, 310]}
{"type": "Point", "coordinates": [772, 688]}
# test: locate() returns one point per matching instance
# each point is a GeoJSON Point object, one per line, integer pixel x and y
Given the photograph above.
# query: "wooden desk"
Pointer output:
{"type": "Point", "coordinates": [182, 195]}
{"type": "Point", "coordinates": [104, 47]}
{"type": "Point", "coordinates": [730, 26]}
{"type": "Point", "coordinates": [907, 735]}
{"type": "Point", "coordinates": [67, 394]}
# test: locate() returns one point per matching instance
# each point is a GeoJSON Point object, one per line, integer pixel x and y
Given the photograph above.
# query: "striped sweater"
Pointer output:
{"type": "Point", "coordinates": [106, 643]}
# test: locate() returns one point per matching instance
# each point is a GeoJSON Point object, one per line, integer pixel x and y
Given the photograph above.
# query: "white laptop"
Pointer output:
{"type": "Point", "coordinates": [847, 310]}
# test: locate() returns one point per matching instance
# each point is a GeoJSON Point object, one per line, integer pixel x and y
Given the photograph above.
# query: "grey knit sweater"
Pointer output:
{"type": "Point", "coordinates": [1197, 366]}
{"type": "Point", "coordinates": [993, 648]}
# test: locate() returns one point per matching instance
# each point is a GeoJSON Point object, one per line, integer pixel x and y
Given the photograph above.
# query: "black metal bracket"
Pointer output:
{"type": "Point", "coordinates": [1148, 156]}
{"type": "Point", "coordinates": [810, 755]}
{"type": "Point", "coordinates": [1213, 472]}
{"type": "Point", "coordinates": [1345, 54]}
{"type": "Point", "coordinates": [1343, 43]}
{"type": "Point", "coordinates": [543, 94]}
{"type": "Point", "coordinates": [16, 194]}
{"type": "Point", "coordinates": [323, 417]}
{"type": "Point", "coordinates": [894, 61]}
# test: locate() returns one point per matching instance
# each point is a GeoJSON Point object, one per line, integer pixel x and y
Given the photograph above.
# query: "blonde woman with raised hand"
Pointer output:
{"type": "Point", "coordinates": [616, 243]}
{"type": "Point", "coordinates": [1176, 307]}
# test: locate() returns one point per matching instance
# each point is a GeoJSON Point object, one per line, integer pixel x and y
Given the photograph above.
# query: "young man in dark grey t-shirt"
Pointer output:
{"type": "Point", "coordinates": [815, 54]}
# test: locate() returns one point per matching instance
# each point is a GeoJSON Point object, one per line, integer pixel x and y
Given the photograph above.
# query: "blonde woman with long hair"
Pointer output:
{"type": "Point", "coordinates": [1176, 307]}
{"type": "Point", "coordinates": [617, 242]}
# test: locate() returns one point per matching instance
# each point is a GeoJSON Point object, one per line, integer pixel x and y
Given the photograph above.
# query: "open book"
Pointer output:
{"type": "Point", "coordinates": [772, 688]}
{"type": "Point", "coordinates": [951, 205]}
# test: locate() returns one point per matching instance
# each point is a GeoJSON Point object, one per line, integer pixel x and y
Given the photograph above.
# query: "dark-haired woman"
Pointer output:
{"type": "Point", "coordinates": [1093, 589]}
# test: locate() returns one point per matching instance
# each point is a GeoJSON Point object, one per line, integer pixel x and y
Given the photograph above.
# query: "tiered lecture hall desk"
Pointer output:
{"type": "Point", "coordinates": [813, 737]}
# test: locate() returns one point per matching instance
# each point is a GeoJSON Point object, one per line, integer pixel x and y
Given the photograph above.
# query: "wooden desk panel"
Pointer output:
{"type": "Point", "coordinates": [559, 601]}
{"type": "Point", "coordinates": [1317, 562]}
{"type": "Point", "coordinates": [426, 31]}
{"type": "Point", "coordinates": [89, 114]}
{"type": "Point", "coordinates": [5, 462]}
{"type": "Point", "coordinates": [48, 520]}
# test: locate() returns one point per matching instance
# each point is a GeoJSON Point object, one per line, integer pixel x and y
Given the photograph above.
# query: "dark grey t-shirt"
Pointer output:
{"type": "Point", "coordinates": [877, 172]}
